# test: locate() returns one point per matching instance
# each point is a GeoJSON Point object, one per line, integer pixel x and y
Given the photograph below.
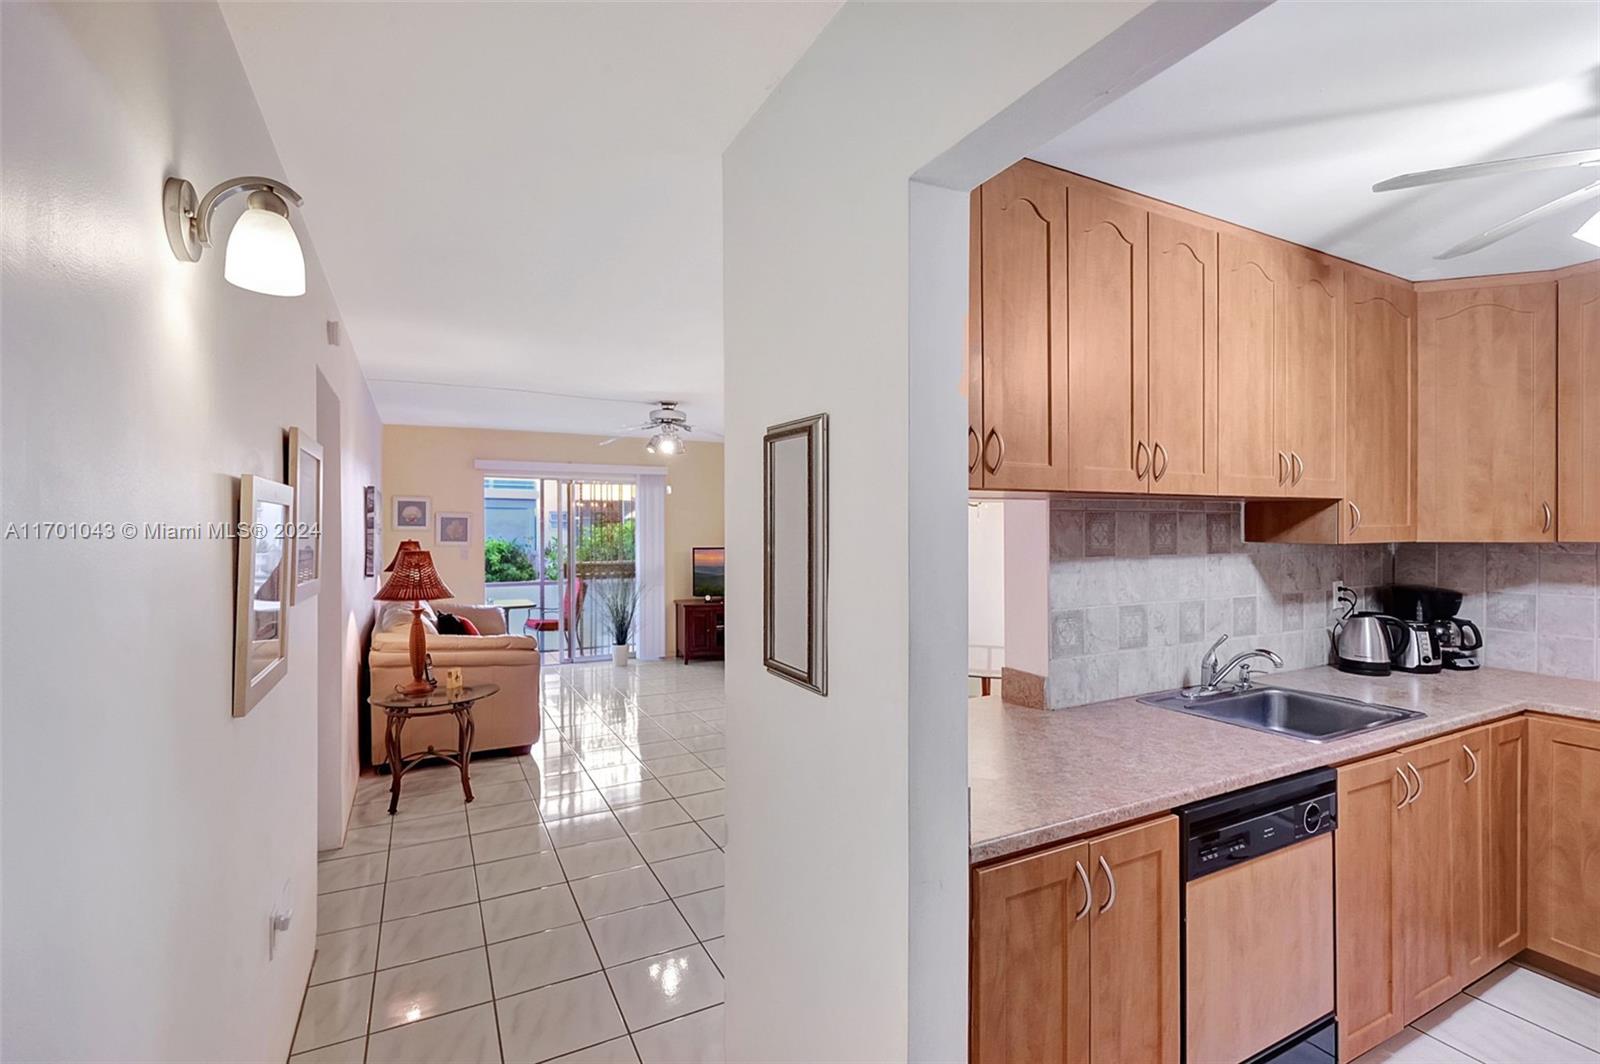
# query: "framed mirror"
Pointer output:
{"type": "Point", "coordinates": [261, 606]}
{"type": "Point", "coordinates": [305, 476]}
{"type": "Point", "coordinates": [796, 551]}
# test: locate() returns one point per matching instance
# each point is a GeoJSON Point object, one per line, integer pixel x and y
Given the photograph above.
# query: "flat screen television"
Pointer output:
{"type": "Point", "coordinates": [709, 564]}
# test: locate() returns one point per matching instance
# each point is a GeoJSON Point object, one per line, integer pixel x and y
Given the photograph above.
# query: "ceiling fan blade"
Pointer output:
{"type": "Point", "coordinates": [1585, 157]}
{"type": "Point", "coordinates": [608, 443]}
{"type": "Point", "coordinates": [1522, 221]}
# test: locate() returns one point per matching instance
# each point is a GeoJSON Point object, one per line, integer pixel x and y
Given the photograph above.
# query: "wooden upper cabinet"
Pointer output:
{"type": "Point", "coordinates": [1024, 329]}
{"type": "Point", "coordinates": [1108, 446]}
{"type": "Point", "coordinates": [975, 342]}
{"type": "Point", "coordinates": [1182, 337]}
{"type": "Point", "coordinates": [1578, 413]}
{"type": "Point", "coordinates": [1563, 839]}
{"type": "Point", "coordinates": [1311, 374]}
{"type": "Point", "coordinates": [1381, 408]}
{"type": "Point", "coordinates": [1030, 959]}
{"type": "Point", "coordinates": [1366, 896]}
{"type": "Point", "coordinates": [1249, 280]}
{"type": "Point", "coordinates": [1135, 1002]}
{"type": "Point", "coordinates": [1486, 413]}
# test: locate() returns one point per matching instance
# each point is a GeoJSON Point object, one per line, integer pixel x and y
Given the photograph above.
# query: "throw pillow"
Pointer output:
{"type": "Point", "coordinates": [454, 624]}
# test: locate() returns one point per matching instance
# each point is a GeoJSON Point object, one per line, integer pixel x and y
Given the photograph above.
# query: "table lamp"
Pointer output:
{"type": "Point", "coordinates": [405, 545]}
{"type": "Point", "coordinates": [413, 579]}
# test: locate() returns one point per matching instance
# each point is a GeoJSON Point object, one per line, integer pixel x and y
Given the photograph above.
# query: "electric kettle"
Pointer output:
{"type": "Point", "coordinates": [1365, 643]}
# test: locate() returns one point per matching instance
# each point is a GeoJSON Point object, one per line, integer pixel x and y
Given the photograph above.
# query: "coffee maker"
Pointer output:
{"type": "Point", "coordinates": [1454, 641]}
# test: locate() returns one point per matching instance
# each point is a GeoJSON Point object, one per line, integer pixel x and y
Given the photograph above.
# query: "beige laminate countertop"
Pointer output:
{"type": "Point", "coordinates": [1040, 776]}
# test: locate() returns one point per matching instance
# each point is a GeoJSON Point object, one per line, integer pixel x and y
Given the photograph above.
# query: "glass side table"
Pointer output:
{"type": "Point", "coordinates": [399, 709]}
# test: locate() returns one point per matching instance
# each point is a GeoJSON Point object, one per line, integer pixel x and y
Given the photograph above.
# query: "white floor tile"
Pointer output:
{"type": "Point", "coordinates": [333, 1012]}
{"type": "Point", "coordinates": [342, 954]}
{"type": "Point", "coordinates": [500, 794]}
{"type": "Point", "coordinates": [717, 828]}
{"type": "Point", "coordinates": [360, 840]}
{"type": "Point", "coordinates": [415, 992]}
{"type": "Point", "coordinates": [533, 961]}
{"type": "Point", "coordinates": [567, 806]}
{"type": "Point", "coordinates": [1411, 1046]}
{"type": "Point", "coordinates": [465, 1037]}
{"type": "Point", "coordinates": [616, 1051]}
{"type": "Point", "coordinates": [346, 873]}
{"type": "Point", "coordinates": [351, 1052]}
{"type": "Point", "coordinates": [718, 954]}
{"type": "Point", "coordinates": [654, 815]}
{"type": "Point", "coordinates": [1542, 1000]}
{"type": "Point", "coordinates": [416, 938]}
{"type": "Point", "coordinates": [349, 908]}
{"type": "Point", "coordinates": [557, 1019]}
{"type": "Point", "coordinates": [690, 874]}
{"type": "Point", "coordinates": [590, 828]}
{"type": "Point", "coordinates": [705, 806]}
{"type": "Point", "coordinates": [530, 911]}
{"type": "Point", "coordinates": [423, 894]}
{"type": "Point", "coordinates": [674, 841]}
{"type": "Point", "coordinates": [1496, 1037]}
{"type": "Point", "coordinates": [704, 912]}
{"type": "Point", "coordinates": [625, 795]}
{"type": "Point", "coordinates": [636, 933]}
{"type": "Point", "coordinates": [499, 817]}
{"type": "Point", "coordinates": [692, 1039]}
{"type": "Point", "coordinates": [692, 783]}
{"type": "Point", "coordinates": [594, 858]}
{"type": "Point", "coordinates": [517, 874]}
{"type": "Point", "coordinates": [429, 829]}
{"type": "Point", "coordinates": [408, 861]}
{"type": "Point", "coordinates": [615, 891]}
{"type": "Point", "coordinates": [510, 842]}
{"type": "Point", "coordinates": [665, 986]}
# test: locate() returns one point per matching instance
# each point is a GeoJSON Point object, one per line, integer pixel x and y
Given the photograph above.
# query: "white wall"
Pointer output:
{"type": "Point", "coordinates": [816, 295]}
{"type": "Point", "coordinates": [986, 574]}
{"type": "Point", "coordinates": [147, 833]}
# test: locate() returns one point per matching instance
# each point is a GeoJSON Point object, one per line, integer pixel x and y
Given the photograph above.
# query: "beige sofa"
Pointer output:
{"type": "Point", "coordinates": [508, 719]}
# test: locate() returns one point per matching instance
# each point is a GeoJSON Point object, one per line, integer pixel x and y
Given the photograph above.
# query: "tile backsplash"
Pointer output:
{"type": "Point", "coordinates": [1140, 588]}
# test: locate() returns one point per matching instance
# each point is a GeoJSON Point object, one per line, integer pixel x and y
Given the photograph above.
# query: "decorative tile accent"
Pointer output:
{"type": "Point", "coordinates": [1099, 534]}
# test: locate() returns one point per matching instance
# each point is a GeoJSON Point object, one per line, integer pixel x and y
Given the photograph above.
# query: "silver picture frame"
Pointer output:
{"type": "Point", "coordinates": [261, 598]}
{"type": "Point", "coordinates": [305, 478]}
{"type": "Point", "coordinates": [795, 551]}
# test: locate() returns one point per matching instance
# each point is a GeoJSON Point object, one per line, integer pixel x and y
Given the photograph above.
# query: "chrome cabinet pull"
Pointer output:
{"type": "Point", "coordinates": [1088, 890]}
{"type": "Point", "coordinates": [1406, 783]}
{"type": "Point", "coordinates": [977, 449]}
{"type": "Point", "coordinates": [1161, 453]}
{"type": "Point", "coordinates": [1141, 461]}
{"type": "Point", "coordinates": [1283, 467]}
{"type": "Point", "coordinates": [1473, 759]}
{"type": "Point", "coordinates": [1418, 775]}
{"type": "Point", "coordinates": [1111, 885]}
{"type": "Point", "coordinates": [1355, 515]}
{"type": "Point", "coordinates": [1298, 466]}
{"type": "Point", "coordinates": [1549, 515]}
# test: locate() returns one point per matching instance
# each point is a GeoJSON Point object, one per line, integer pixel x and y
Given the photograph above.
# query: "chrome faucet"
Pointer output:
{"type": "Point", "coordinates": [1212, 675]}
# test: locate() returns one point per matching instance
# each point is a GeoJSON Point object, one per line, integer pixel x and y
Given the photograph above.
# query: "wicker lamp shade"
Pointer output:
{"type": "Point", "coordinates": [414, 578]}
{"type": "Point", "coordinates": [405, 545]}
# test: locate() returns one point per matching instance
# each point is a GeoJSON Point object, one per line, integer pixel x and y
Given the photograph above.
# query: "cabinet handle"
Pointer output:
{"type": "Point", "coordinates": [1283, 467]}
{"type": "Point", "coordinates": [1473, 759]}
{"type": "Point", "coordinates": [1088, 890]}
{"type": "Point", "coordinates": [1418, 775]}
{"type": "Point", "coordinates": [1161, 453]}
{"type": "Point", "coordinates": [993, 437]}
{"type": "Point", "coordinates": [977, 449]}
{"type": "Point", "coordinates": [1406, 783]}
{"type": "Point", "coordinates": [1111, 885]}
{"type": "Point", "coordinates": [1298, 465]}
{"type": "Point", "coordinates": [1548, 516]}
{"type": "Point", "coordinates": [1355, 515]}
{"type": "Point", "coordinates": [1141, 461]}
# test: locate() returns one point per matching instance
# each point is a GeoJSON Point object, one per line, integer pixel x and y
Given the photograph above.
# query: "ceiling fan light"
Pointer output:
{"type": "Point", "coordinates": [1589, 232]}
{"type": "Point", "coordinates": [670, 445]}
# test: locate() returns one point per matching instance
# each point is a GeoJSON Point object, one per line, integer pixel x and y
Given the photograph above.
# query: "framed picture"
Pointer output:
{"type": "Point", "coordinates": [454, 528]}
{"type": "Point", "coordinates": [372, 503]}
{"type": "Point", "coordinates": [261, 598]}
{"type": "Point", "coordinates": [305, 477]}
{"type": "Point", "coordinates": [795, 564]}
{"type": "Point", "coordinates": [413, 512]}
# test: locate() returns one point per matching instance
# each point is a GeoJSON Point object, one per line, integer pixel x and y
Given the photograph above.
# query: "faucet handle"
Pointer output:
{"type": "Point", "coordinates": [1208, 663]}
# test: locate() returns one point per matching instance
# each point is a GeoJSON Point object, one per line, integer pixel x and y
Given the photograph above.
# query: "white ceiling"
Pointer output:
{"type": "Point", "coordinates": [512, 200]}
{"type": "Point", "coordinates": [1284, 124]}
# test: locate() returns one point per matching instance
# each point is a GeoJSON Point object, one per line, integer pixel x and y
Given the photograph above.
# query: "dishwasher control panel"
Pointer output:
{"type": "Point", "coordinates": [1224, 831]}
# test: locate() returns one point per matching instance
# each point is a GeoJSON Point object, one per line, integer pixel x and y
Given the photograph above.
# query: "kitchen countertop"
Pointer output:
{"type": "Point", "coordinates": [1040, 776]}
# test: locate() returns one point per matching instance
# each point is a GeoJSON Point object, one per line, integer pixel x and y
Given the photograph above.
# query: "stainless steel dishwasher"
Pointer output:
{"type": "Point", "coordinates": [1258, 948]}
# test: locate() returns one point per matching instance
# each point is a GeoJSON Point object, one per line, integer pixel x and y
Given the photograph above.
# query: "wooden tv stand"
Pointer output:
{"type": "Point", "coordinates": [700, 627]}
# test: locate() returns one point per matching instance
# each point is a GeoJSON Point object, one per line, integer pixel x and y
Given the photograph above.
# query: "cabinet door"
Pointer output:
{"type": "Point", "coordinates": [1030, 959]}
{"type": "Point", "coordinates": [1182, 296]}
{"type": "Point", "coordinates": [975, 341]}
{"type": "Point", "coordinates": [1311, 374]}
{"type": "Point", "coordinates": [1249, 277]}
{"type": "Point", "coordinates": [1578, 413]}
{"type": "Point", "coordinates": [1366, 903]}
{"type": "Point", "coordinates": [1473, 796]}
{"type": "Point", "coordinates": [1486, 413]}
{"type": "Point", "coordinates": [1134, 996]}
{"type": "Point", "coordinates": [1564, 841]}
{"type": "Point", "coordinates": [1427, 849]}
{"type": "Point", "coordinates": [1108, 446]}
{"type": "Point", "coordinates": [1024, 327]}
{"type": "Point", "coordinates": [1381, 408]}
{"type": "Point", "coordinates": [1506, 852]}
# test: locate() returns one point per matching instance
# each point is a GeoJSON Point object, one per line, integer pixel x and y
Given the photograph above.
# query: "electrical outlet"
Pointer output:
{"type": "Point", "coordinates": [281, 917]}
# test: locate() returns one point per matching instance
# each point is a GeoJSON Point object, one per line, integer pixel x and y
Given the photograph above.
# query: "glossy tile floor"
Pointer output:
{"type": "Point", "coordinates": [572, 912]}
{"type": "Point", "coordinates": [1513, 1015]}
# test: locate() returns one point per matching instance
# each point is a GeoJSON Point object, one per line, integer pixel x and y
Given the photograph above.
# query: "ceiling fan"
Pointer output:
{"type": "Point", "coordinates": [1589, 231]}
{"type": "Point", "coordinates": [667, 425]}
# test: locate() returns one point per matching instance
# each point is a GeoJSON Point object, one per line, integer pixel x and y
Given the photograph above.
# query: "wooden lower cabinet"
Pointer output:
{"type": "Point", "coordinates": [1490, 835]}
{"type": "Point", "coordinates": [1367, 939]}
{"type": "Point", "coordinates": [1428, 841]}
{"type": "Point", "coordinates": [1075, 952]}
{"type": "Point", "coordinates": [1564, 841]}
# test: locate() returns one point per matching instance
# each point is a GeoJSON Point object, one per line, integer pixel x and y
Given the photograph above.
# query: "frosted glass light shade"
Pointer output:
{"type": "Point", "coordinates": [264, 255]}
{"type": "Point", "coordinates": [1590, 231]}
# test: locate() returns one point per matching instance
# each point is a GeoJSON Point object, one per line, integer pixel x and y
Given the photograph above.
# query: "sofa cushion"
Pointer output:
{"type": "Point", "coordinates": [396, 616]}
{"type": "Point", "coordinates": [454, 624]}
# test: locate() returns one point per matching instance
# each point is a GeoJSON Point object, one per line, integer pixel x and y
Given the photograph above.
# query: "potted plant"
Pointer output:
{"type": "Point", "coordinates": [619, 598]}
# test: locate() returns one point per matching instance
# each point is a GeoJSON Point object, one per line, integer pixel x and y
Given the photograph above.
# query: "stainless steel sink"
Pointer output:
{"type": "Point", "coordinates": [1312, 718]}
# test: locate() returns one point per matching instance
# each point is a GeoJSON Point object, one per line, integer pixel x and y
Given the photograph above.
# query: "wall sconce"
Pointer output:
{"type": "Point", "coordinates": [263, 253]}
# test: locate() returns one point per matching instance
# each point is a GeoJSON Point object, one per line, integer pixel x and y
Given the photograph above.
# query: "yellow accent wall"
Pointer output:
{"type": "Point", "coordinates": [439, 463]}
